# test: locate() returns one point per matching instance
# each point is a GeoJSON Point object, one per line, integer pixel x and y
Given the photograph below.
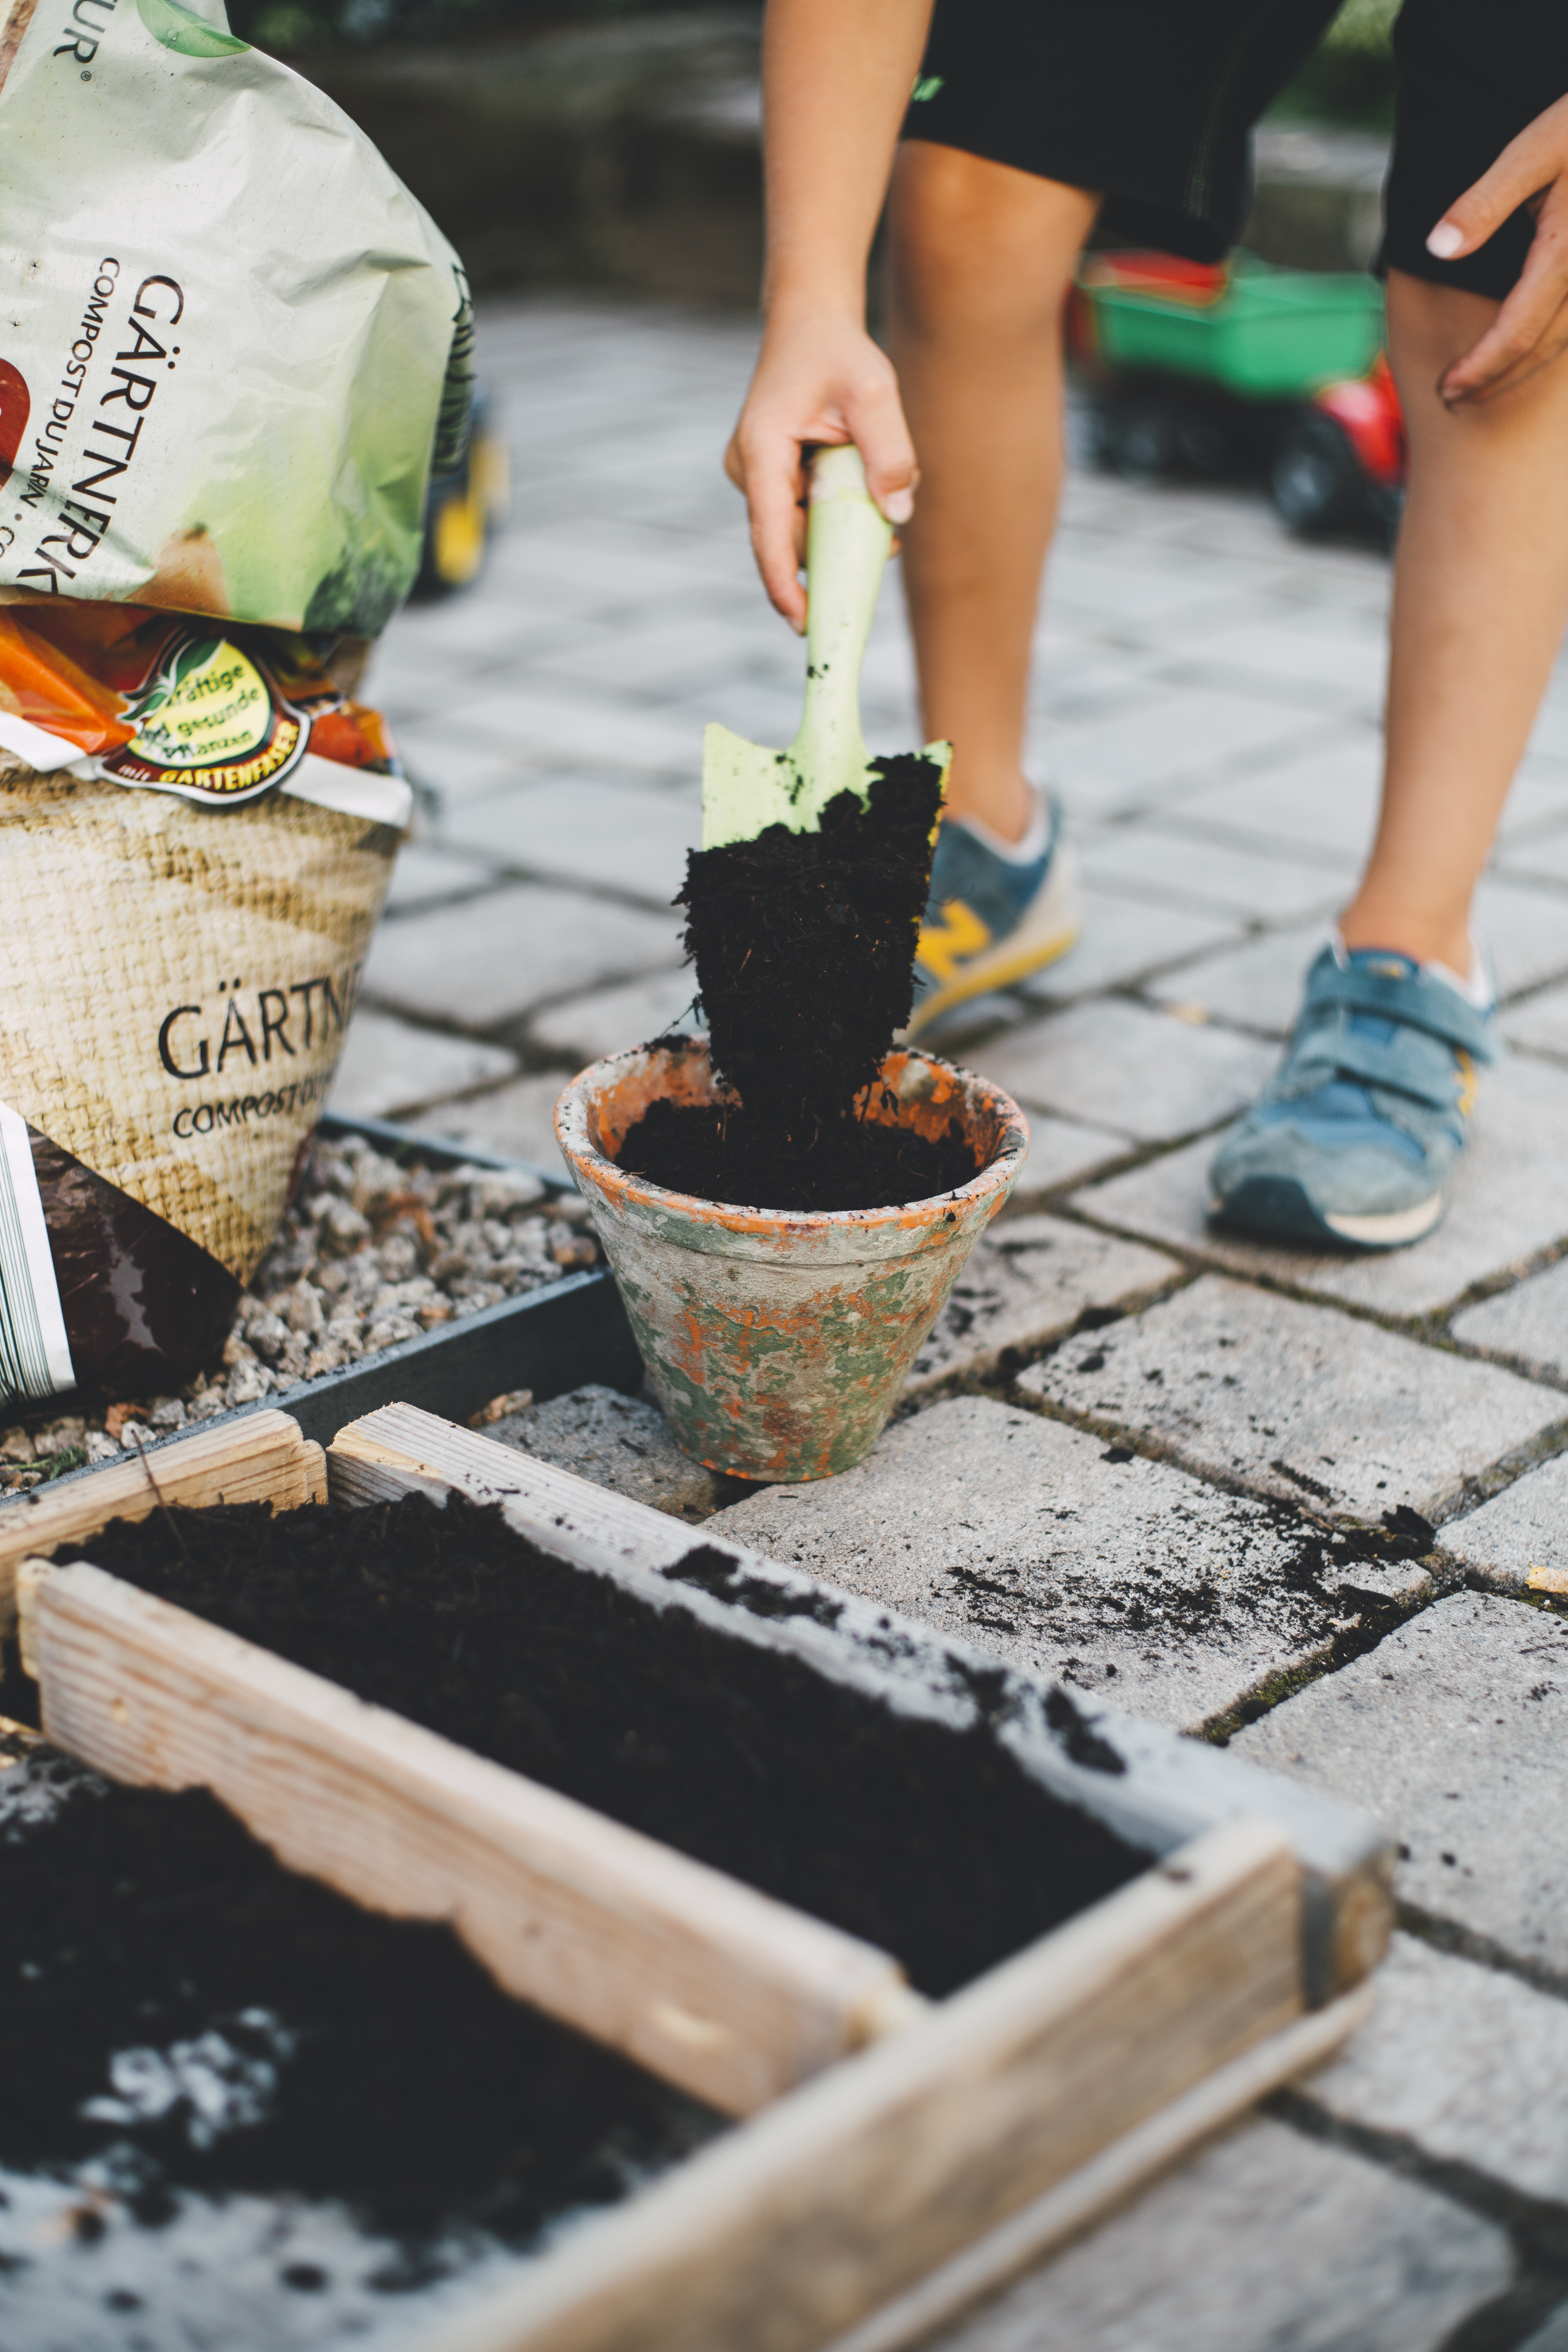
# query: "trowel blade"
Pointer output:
{"type": "Point", "coordinates": [745, 788]}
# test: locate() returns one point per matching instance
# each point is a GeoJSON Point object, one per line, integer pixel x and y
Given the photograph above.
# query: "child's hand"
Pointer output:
{"type": "Point", "coordinates": [820, 379]}
{"type": "Point", "coordinates": [1532, 328]}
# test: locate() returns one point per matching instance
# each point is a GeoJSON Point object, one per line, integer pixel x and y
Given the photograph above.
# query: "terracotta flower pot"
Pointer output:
{"type": "Point", "coordinates": [777, 1341]}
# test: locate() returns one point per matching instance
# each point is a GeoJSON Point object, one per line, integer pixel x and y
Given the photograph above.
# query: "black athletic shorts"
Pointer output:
{"type": "Point", "coordinates": [1153, 101]}
{"type": "Point", "coordinates": [1472, 73]}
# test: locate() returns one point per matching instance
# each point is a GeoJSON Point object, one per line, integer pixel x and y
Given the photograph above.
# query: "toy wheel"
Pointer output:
{"type": "Point", "coordinates": [1140, 441]}
{"type": "Point", "coordinates": [1315, 480]}
{"type": "Point", "coordinates": [1204, 446]}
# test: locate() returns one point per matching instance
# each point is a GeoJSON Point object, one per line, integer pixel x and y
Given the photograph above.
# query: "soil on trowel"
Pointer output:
{"type": "Point", "coordinates": [805, 946]}
{"type": "Point", "coordinates": [930, 1843]}
{"type": "Point", "coordinates": [181, 2012]}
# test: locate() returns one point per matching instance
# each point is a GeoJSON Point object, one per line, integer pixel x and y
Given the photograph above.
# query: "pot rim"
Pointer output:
{"type": "Point", "coordinates": [571, 1124]}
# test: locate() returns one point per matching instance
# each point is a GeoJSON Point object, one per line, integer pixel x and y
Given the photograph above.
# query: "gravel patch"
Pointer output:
{"type": "Point", "coordinates": [370, 1253]}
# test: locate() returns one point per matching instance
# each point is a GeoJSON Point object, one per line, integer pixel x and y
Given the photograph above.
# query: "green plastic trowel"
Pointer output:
{"type": "Point", "coordinates": [746, 788]}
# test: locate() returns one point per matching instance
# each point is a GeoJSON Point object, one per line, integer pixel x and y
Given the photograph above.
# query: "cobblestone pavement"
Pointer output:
{"type": "Point", "coordinates": [1123, 1419]}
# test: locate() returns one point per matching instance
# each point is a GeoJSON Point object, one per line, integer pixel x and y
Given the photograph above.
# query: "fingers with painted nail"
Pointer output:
{"type": "Point", "coordinates": [1530, 329]}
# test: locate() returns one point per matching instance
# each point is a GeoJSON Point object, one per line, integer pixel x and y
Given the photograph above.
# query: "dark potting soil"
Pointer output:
{"type": "Point", "coordinates": [804, 946]}
{"type": "Point", "coordinates": [175, 2003]}
{"type": "Point", "coordinates": [930, 1843]}
{"type": "Point", "coordinates": [720, 1153]}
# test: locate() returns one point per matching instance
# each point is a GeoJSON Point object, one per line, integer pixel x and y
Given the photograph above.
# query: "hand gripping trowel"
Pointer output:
{"type": "Point", "coordinates": [806, 898]}
{"type": "Point", "coordinates": [746, 788]}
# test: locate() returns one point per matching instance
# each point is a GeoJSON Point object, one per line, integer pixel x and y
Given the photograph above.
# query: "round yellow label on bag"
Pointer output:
{"type": "Point", "coordinates": [209, 725]}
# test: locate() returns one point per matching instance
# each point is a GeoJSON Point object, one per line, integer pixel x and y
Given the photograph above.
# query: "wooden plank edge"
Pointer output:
{"type": "Point", "coordinates": [1172, 1789]}
{"type": "Point", "coordinates": [1111, 2179]}
{"type": "Point", "coordinates": [721, 1990]}
{"type": "Point", "coordinates": [254, 1457]}
{"type": "Point", "coordinates": [786, 2233]}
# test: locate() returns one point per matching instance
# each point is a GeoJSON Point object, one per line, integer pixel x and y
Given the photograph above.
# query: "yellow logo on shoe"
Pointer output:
{"type": "Point", "coordinates": [944, 946]}
{"type": "Point", "coordinates": [1466, 1096]}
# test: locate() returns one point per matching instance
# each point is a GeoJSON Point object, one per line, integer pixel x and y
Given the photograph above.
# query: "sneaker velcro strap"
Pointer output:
{"type": "Point", "coordinates": [1399, 1064]}
{"type": "Point", "coordinates": [1407, 997]}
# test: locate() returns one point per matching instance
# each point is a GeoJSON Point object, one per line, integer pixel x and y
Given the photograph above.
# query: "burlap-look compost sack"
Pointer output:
{"type": "Point", "coordinates": [176, 975]}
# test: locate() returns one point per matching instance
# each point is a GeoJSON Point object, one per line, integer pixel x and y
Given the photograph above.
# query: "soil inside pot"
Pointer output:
{"type": "Point", "coordinates": [932, 1843]}
{"type": "Point", "coordinates": [181, 2012]}
{"type": "Point", "coordinates": [804, 946]}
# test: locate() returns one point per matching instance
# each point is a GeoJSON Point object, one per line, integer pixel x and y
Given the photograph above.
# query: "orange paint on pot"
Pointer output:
{"type": "Point", "coordinates": [777, 1341]}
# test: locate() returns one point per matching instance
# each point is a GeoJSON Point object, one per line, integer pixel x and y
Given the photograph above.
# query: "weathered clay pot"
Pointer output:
{"type": "Point", "coordinates": [777, 1342]}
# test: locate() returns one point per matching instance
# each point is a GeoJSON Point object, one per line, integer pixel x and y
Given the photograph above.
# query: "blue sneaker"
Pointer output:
{"type": "Point", "coordinates": [1355, 1136]}
{"type": "Point", "coordinates": [990, 921]}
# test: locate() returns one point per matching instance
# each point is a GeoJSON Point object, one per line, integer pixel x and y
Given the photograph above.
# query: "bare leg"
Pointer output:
{"type": "Point", "coordinates": [982, 257]}
{"type": "Point", "coordinates": [1481, 602]}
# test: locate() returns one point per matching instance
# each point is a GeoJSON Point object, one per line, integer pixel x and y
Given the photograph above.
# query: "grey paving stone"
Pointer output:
{"type": "Point", "coordinates": [1541, 1022]}
{"type": "Point", "coordinates": [1259, 983]}
{"type": "Point", "coordinates": [1506, 1203]}
{"type": "Point", "coordinates": [456, 770]}
{"type": "Point", "coordinates": [425, 875]}
{"type": "Point", "coordinates": [1121, 940]}
{"type": "Point", "coordinates": [1093, 577]}
{"type": "Point", "coordinates": [1454, 1731]}
{"type": "Point", "coordinates": [1150, 862]}
{"type": "Point", "coordinates": [1118, 1066]}
{"type": "Point", "coordinates": [389, 1068]}
{"type": "Point", "coordinates": [1300, 1402]}
{"type": "Point", "coordinates": [1122, 1575]}
{"type": "Point", "coordinates": [1529, 1322]}
{"type": "Point", "coordinates": [1264, 2243]}
{"type": "Point", "coordinates": [611, 836]}
{"type": "Point", "coordinates": [1172, 741]}
{"type": "Point", "coordinates": [1061, 1150]}
{"type": "Point", "coordinates": [1539, 854]}
{"type": "Point", "coordinates": [1311, 659]}
{"type": "Point", "coordinates": [1027, 1280]}
{"type": "Point", "coordinates": [1323, 801]}
{"type": "Point", "coordinates": [518, 1120]}
{"type": "Point", "coordinates": [618, 1441]}
{"type": "Point", "coordinates": [1554, 2337]}
{"type": "Point", "coordinates": [493, 958]}
{"type": "Point", "coordinates": [609, 1020]}
{"type": "Point", "coordinates": [1536, 810]}
{"type": "Point", "coordinates": [667, 655]}
{"type": "Point", "coordinates": [1524, 1528]}
{"type": "Point", "coordinates": [537, 720]}
{"type": "Point", "coordinates": [1466, 2063]}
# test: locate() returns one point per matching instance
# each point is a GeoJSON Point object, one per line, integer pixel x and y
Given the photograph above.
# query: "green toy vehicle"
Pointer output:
{"type": "Point", "coordinates": [1212, 371]}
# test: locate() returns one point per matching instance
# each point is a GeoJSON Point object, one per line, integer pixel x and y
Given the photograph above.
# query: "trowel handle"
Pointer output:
{"type": "Point", "coordinates": [847, 548]}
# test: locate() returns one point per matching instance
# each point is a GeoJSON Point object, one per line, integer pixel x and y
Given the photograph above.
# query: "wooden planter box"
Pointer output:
{"type": "Point", "coordinates": [899, 2156]}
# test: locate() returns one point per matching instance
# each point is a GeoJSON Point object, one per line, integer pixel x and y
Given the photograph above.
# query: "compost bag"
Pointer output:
{"type": "Point", "coordinates": [229, 335]}
{"type": "Point", "coordinates": [196, 833]}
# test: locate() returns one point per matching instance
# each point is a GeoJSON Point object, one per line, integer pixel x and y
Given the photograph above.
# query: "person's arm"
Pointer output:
{"type": "Point", "coordinates": [1532, 328]}
{"type": "Point", "coordinates": [837, 76]}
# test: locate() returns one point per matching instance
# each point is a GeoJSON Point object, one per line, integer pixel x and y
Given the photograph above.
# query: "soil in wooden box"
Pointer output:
{"type": "Point", "coordinates": [805, 945]}
{"type": "Point", "coordinates": [180, 2014]}
{"type": "Point", "coordinates": [930, 1843]}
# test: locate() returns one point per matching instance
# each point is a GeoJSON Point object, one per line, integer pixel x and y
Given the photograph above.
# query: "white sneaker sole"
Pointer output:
{"type": "Point", "coordinates": [1401, 1225]}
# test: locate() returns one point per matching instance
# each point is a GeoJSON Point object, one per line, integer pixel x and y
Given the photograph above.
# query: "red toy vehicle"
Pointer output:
{"type": "Point", "coordinates": [1216, 371]}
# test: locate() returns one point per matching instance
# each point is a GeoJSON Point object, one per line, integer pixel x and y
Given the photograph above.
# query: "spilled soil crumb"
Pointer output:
{"type": "Point", "coordinates": [182, 2013]}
